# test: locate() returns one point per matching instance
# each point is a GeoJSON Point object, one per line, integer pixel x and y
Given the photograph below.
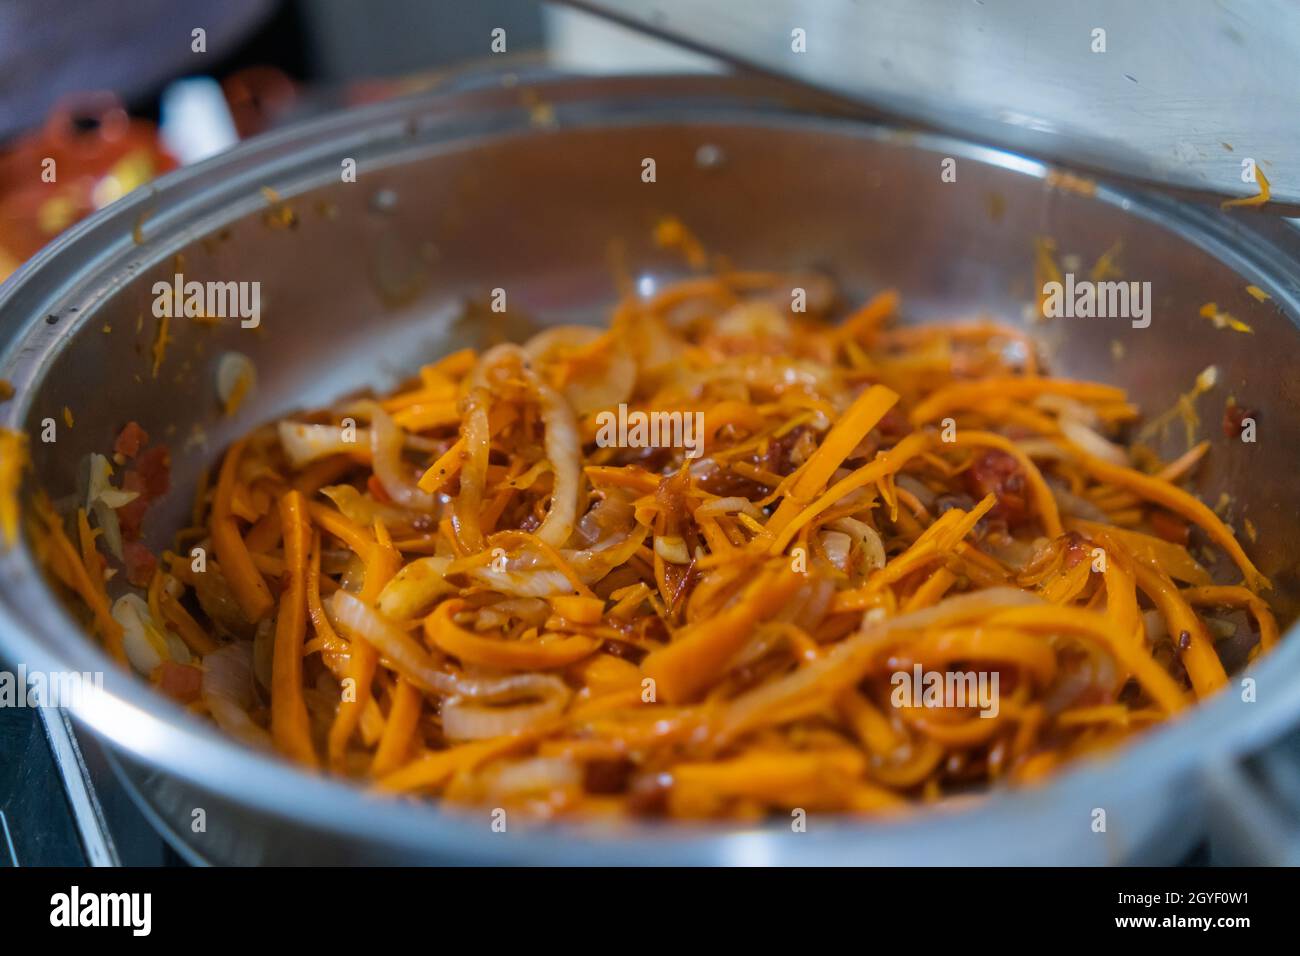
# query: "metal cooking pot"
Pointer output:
{"type": "Point", "coordinates": [536, 189]}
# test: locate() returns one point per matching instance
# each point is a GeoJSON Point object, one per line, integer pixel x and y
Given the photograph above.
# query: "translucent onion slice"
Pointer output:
{"type": "Point", "coordinates": [228, 692]}
{"type": "Point", "coordinates": [399, 481]}
{"type": "Point", "coordinates": [236, 379]}
{"type": "Point", "coordinates": [536, 775]}
{"type": "Point", "coordinates": [730, 506]}
{"type": "Point", "coordinates": [1089, 441]}
{"type": "Point", "coordinates": [146, 647]}
{"type": "Point", "coordinates": [415, 588]}
{"type": "Point", "coordinates": [866, 538]}
{"type": "Point", "coordinates": [102, 500]}
{"type": "Point", "coordinates": [462, 721]}
{"type": "Point", "coordinates": [304, 443]}
{"type": "Point", "coordinates": [605, 380]}
{"type": "Point", "coordinates": [837, 545]}
{"type": "Point", "coordinates": [358, 621]}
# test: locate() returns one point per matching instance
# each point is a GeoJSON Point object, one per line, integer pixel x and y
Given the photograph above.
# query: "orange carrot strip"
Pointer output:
{"type": "Point", "coordinates": [700, 651]}
{"type": "Point", "coordinates": [241, 574]}
{"type": "Point", "coordinates": [969, 394]}
{"type": "Point", "coordinates": [886, 463]}
{"type": "Point", "coordinates": [445, 634]}
{"type": "Point", "coordinates": [1229, 596]}
{"type": "Point", "coordinates": [867, 409]}
{"type": "Point", "coordinates": [382, 562]}
{"type": "Point", "coordinates": [290, 729]}
{"type": "Point", "coordinates": [1189, 634]}
{"type": "Point", "coordinates": [1180, 502]}
{"type": "Point", "coordinates": [867, 320]}
{"type": "Point", "coordinates": [399, 731]}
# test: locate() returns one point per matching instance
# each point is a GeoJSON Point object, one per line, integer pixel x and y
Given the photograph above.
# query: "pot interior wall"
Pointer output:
{"type": "Point", "coordinates": [363, 281]}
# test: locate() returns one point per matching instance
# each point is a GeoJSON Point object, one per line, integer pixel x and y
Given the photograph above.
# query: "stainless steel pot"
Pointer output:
{"type": "Point", "coordinates": [461, 193]}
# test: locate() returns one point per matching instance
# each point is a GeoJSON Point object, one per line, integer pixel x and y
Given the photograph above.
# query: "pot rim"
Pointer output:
{"type": "Point", "coordinates": [36, 630]}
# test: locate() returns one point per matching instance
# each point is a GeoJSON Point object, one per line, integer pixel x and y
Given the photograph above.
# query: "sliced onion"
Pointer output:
{"type": "Point", "coordinates": [1015, 553]}
{"type": "Point", "coordinates": [541, 583]}
{"type": "Point", "coordinates": [477, 435]}
{"type": "Point", "coordinates": [1042, 448]}
{"type": "Point", "coordinates": [868, 540]}
{"type": "Point", "coordinates": [146, 647]}
{"type": "Point", "coordinates": [837, 545]}
{"type": "Point", "coordinates": [358, 621]}
{"type": "Point", "coordinates": [363, 510]}
{"type": "Point", "coordinates": [462, 721]}
{"type": "Point", "coordinates": [536, 775]}
{"type": "Point", "coordinates": [415, 588]}
{"type": "Point", "coordinates": [846, 662]}
{"type": "Point", "coordinates": [304, 443]}
{"type": "Point", "coordinates": [1153, 623]}
{"type": "Point", "coordinates": [564, 452]}
{"type": "Point", "coordinates": [728, 506]}
{"type": "Point", "coordinates": [756, 319]}
{"type": "Point", "coordinates": [102, 499]}
{"type": "Point", "coordinates": [1068, 409]}
{"type": "Point", "coordinates": [530, 574]}
{"type": "Point", "coordinates": [917, 488]}
{"type": "Point", "coordinates": [610, 384]}
{"type": "Point", "coordinates": [672, 549]}
{"type": "Point", "coordinates": [386, 444]}
{"type": "Point", "coordinates": [236, 379]}
{"type": "Point", "coordinates": [562, 443]}
{"type": "Point", "coordinates": [1089, 441]}
{"type": "Point", "coordinates": [218, 601]}
{"type": "Point", "coordinates": [100, 489]}
{"type": "Point", "coordinates": [228, 692]}
{"type": "Point", "coordinates": [1075, 507]}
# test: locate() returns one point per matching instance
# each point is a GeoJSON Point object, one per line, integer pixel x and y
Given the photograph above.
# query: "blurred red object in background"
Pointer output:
{"type": "Point", "coordinates": [88, 153]}
{"type": "Point", "coordinates": [258, 97]}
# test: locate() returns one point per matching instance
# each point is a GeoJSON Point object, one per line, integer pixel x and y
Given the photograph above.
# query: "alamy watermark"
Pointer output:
{"type": "Point", "coordinates": [930, 689]}
{"type": "Point", "coordinates": [133, 911]}
{"type": "Point", "coordinates": [1085, 299]}
{"type": "Point", "coordinates": [208, 300]}
{"type": "Point", "coordinates": [638, 429]}
{"type": "Point", "coordinates": [24, 688]}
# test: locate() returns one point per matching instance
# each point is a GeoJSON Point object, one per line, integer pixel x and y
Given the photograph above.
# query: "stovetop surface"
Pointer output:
{"type": "Point", "coordinates": [47, 819]}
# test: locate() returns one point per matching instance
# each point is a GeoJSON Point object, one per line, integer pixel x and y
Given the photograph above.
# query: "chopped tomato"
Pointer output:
{"type": "Point", "coordinates": [150, 478]}
{"type": "Point", "coordinates": [140, 563]}
{"type": "Point", "coordinates": [154, 467]}
{"type": "Point", "coordinates": [131, 515]}
{"type": "Point", "coordinates": [997, 473]}
{"type": "Point", "coordinates": [130, 440]}
{"type": "Point", "coordinates": [1233, 417]}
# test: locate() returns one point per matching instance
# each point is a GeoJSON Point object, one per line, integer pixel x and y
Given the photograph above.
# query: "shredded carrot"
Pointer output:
{"type": "Point", "coordinates": [381, 563]}
{"type": "Point", "coordinates": [245, 580]}
{"type": "Point", "coordinates": [685, 667]}
{"type": "Point", "coordinates": [13, 461]}
{"type": "Point", "coordinates": [1258, 199]}
{"type": "Point", "coordinates": [444, 634]}
{"type": "Point", "coordinates": [712, 622]}
{"type": "Point", "coordinates": [289, 723]}
{"type": "Point", "coordinates": [1180, 502]}
{"type": "Point", "coordinates": [866, 410]}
